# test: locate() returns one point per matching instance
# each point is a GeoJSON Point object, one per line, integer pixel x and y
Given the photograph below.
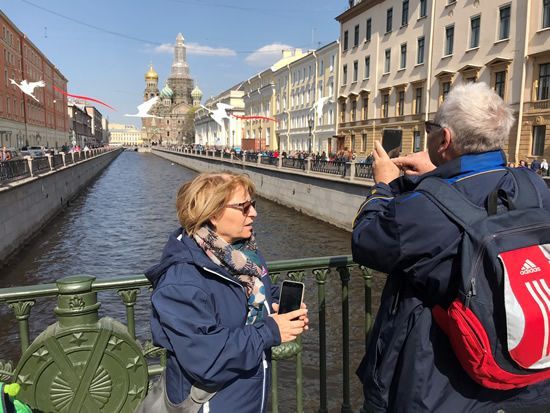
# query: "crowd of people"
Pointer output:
{"type": "Point", "coordinates": [215, 310]}
{"type": "Point", "coordinates": [540, 167]}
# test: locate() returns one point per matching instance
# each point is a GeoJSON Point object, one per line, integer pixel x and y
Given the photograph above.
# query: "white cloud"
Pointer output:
{"type": "Point", "coordinates": [267, 55]}
{"type": "Point", "coordinates": [197, 49]}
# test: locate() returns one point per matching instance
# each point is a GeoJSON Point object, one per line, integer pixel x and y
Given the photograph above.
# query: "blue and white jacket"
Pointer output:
{"type": "Point", "coordinates": [409, 365]}
{"type": "Point", "coordinates": [199, 316]}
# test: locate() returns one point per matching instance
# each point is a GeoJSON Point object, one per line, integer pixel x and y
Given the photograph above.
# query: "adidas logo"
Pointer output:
{"type": "Point", "coordinates": [529, 267]}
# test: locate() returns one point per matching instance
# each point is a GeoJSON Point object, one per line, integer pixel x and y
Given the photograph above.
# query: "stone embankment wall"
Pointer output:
{"type": "Point", "coordinates": [329, 198]}
{"type": "Point", "coordinates": [27, 205]}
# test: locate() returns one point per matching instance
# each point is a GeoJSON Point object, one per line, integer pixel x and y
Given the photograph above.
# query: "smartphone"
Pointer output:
{"type": "Point", "coordinates": [292, 295]}
{"type": "Point", "coordinates": [391, 141]}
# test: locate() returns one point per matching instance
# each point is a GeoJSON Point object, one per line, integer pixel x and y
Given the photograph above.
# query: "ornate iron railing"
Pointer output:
{"type": "Point", "coordinates": [40, 164]}
{"type": "Point", "coordinates": [363, 170]}
{"type": "Point", "coordinates": [14, 169]}
{"type": "Point", "coordinates": [57, 161]}
{"type": "Point", "coordinates": [295, 163]}
{"type": "Point", "coordinates": [269, 160]}
{"type": "Point", "coordinates": [79, 329]}
{"type": "Point", "coordinates": [329, 167]}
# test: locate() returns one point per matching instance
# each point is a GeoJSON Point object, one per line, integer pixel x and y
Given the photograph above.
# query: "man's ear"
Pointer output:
{"type": "Point", "coordinates": [446, 149]}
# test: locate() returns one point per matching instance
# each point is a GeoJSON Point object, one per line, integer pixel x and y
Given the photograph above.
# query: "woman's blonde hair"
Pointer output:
{"type": "Point", "coordinates": [206, 196]}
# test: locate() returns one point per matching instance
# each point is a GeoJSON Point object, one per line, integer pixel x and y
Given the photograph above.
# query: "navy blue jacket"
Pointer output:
{"type": "Point", "coordinates": [199, 316]}
{"type": "Point", "coordinates": [409, 365]}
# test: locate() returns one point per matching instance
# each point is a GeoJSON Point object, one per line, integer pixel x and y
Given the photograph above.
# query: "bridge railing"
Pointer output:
{"type": "Point", "coordinates": [314, 272]}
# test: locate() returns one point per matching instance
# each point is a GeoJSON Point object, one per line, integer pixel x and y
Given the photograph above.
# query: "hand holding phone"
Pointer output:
{"type": "Point", "coordinates": [291, 297]}
{"type": "Point", "coordinates": [291, 316]}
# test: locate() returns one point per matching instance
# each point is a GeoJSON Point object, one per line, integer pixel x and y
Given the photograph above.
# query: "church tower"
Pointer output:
{"type": "Point", "coordinates": [180, 81]}
{"type": "Point", "coordinates": [196, 94]}
{"type": "Point", "coordinates": [151, 84]}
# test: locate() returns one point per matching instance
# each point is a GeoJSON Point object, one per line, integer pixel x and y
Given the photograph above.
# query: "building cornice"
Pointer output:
{"type": "Point", "coordinates": [356, 10]}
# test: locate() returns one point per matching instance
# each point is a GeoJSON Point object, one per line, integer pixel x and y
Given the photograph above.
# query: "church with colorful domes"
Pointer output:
{"type": "Point", "coordinates": [176, 105]}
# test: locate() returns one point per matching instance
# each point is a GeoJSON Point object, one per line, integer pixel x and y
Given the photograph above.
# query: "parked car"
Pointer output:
{"type": "Point", "coordinates": [34, 151]}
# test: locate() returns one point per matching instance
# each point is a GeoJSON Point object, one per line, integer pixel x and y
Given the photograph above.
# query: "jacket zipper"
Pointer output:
{"type": "Point", "coordinates": [264, 361]}
{"type": "Point", "coordinates": [489, 238]}
{"type": "Point", "coordinates": [265, 365]}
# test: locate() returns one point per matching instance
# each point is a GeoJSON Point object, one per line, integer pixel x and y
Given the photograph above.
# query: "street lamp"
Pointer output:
{"type": "Point", "coordinates": [233, 141]}
{"type": "Point", "coordinates": [310, 126]}
{"type": "Point", "coordinates": [260, 129]}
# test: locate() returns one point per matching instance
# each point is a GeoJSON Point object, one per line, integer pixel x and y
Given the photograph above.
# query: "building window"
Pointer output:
{"type": "Point", "coordinates": [387, 61]}
{"type": "Point", "coordinates": [401, 103]}
{"type": "Point", "coordinates": [546, 14]}
{"type": "Point", "coordinates": [445, 88]}
{"type": "Point", "coordinates": [474, 31]}
{"type": "Point", "coordinates": [367, 67]}
{"type": "Point", "coordinates": [356, 36]}
{"type": "Point", "coordinates": [420, 53]}
{"type": "Point", "coordinates": [539, 132]}
{"type": "Point", "coordinates": [504, 28]}
{"type": "Point", "coordinates": [345, 75]}
{"type": "Point", "coordinates": [389, 18]}
{"type": "Point", "coordinates": [363, 142]}
{"type": "Point", "coordinates": [355, 70]}
{"type": "Point", "coordinates": [405, 13]}
{"type": "Point", "coordinates": [417, 141]}
{"type": "Point", "coordinates": [500, 83]}
{"type": "Point", "coordinates": [369, 29]}
{"type": "Point", "coordinates": [346, 40]}
{"type": "Point", "coordinates": [321, 67]}
{"type": "Point", "coordinates": [449, 39]}
{"type": "Point", "coordinates": [365, 107]}
{"type": "Point", "coordinates": [343, 112]}
{"type": "Point", "coordinates": [544, 82]}
{"type": "Point", "coordinates": [385, 105]}
{"type": "Point", "coordinates": [332, 62]}
{"type": "Point", "coordinates": [423, 8]}
{"type": "Point", "coordinates": [403, 61]}
{"type": "Point", "coordinates": [354, 110]}
{"type": "Point", "coordinates": [418, 101]}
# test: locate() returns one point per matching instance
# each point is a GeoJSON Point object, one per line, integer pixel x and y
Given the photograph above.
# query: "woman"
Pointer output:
{"type": "Point", "coordinates": [213, 308]}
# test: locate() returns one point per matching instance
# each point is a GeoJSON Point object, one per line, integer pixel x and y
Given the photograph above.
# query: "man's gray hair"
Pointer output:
{"type": "Point", "coordinates": [477, 117]}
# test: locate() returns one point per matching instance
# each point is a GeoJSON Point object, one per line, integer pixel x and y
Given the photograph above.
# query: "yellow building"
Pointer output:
{"type": "Point", "coordinates": [125, 135]}
{"type": "Point", "coordinates": [399, 58]}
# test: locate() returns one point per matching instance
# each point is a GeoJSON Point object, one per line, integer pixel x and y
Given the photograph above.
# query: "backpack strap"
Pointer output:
{"type": "Point", "coordinates": [453, 204]}
{"type": "Point", "coordinates": [527, 195]}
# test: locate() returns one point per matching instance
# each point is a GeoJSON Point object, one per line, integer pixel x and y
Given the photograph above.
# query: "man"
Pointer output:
{"type": "Point", "coordinates": [410, 365]}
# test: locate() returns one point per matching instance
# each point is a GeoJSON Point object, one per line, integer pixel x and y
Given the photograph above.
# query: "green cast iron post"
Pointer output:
{"type": "Point", "coordinates": [321, 277]}
{"type": "Point", "coordinates": [345, 277]}
{"type": "Point", "coordinates": [22, 310]}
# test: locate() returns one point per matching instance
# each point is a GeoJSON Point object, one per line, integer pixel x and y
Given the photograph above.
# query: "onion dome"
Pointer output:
{"type": "Point", "coordinates": [151, 74]}
{"type": "Point", "coordinates": [166, 92]}
{"type": "Point", "coordinates": [196, 93]}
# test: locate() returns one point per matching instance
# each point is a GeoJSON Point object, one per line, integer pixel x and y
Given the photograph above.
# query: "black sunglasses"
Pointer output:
{"type": "Point", "coordinates": [244, 207]}
{"type": "Point", "coordinates": [430, 126]}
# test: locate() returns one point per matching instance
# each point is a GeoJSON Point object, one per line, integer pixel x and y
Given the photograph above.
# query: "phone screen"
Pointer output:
{"type": "Point", "coordinates": [291, 296]}
{"type": "Point", "coordinates": [391, 141]}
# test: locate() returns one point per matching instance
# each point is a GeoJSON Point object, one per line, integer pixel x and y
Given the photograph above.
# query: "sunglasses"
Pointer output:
{"type": "Point", "coordinates": [430, 126]}
{"type": "Point", "coordinates": [244, 207]}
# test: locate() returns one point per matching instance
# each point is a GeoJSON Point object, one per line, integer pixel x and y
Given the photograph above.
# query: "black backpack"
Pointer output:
{"type": "Point", "coordinates": [499, 324]}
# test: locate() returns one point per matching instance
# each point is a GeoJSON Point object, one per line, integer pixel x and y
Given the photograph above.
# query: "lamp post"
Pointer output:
{"type": "Point", "coordinates": [233, 141]}
{"type": "Point", "coordinates": [260, 131]}
{"type": "Point", "coordinates": [310, 126]}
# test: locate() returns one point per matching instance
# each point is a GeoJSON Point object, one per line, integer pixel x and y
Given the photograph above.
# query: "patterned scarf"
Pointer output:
{"type": "Point", "coordinates": [241, 260]}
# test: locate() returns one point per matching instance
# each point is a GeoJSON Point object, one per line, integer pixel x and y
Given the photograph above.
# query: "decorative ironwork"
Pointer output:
{"type": "Point", "coordinates": [329, 167]}
{"type": "Point", "coordinates": [40, 164]}
{"type": "Point", "coordinates": [363, 170]}
{"type": "Point", "coordinates": [295, 163]}
{"type": "Point", "coordinates": [14, 169]}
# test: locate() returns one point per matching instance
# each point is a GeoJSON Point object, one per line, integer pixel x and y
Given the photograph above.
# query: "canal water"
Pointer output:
{"type": "Point", "coordinates": [119, 225]}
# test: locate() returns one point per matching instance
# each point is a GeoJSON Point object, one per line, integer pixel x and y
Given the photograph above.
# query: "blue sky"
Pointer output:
{"type": "Point", "coordinates": [228, 40]}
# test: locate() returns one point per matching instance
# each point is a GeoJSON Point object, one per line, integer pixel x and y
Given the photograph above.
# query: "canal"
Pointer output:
{"type": "Point", "coordinates": [119, 225]}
